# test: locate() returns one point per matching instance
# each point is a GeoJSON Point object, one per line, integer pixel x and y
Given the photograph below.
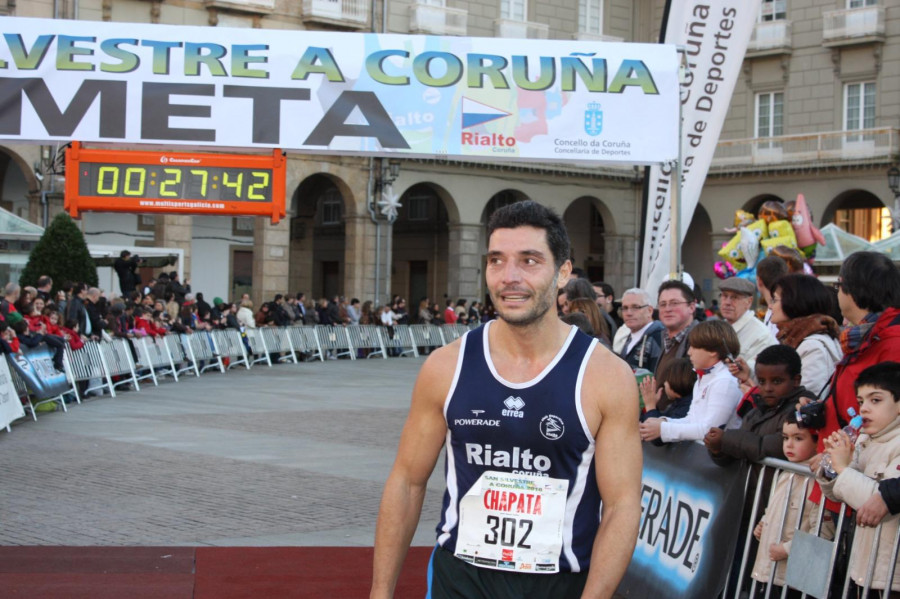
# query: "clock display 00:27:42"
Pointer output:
{"type": "Point", "coordinates": [175, 182]}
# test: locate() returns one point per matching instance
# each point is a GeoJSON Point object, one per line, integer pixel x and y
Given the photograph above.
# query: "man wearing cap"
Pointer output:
{"type": "Point", "coordinates": [735, 299]}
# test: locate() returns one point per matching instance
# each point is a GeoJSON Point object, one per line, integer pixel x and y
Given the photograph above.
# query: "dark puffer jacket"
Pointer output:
{"type": "Point", "coordinates": [760, 433]}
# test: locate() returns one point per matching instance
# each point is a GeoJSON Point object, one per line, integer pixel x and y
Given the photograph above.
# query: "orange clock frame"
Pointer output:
{"type": "Point", "coordinates": [262, 195]}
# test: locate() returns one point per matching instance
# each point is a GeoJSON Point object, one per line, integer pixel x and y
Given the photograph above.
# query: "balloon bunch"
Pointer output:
{"type": "Point", "coordinates": [776, 224]}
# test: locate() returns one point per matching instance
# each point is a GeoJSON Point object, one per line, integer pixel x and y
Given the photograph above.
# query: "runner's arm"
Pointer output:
{"type": "Point", "coordinates": [619, 459]}
{"type": "Point", "coordinates": [420, 445]}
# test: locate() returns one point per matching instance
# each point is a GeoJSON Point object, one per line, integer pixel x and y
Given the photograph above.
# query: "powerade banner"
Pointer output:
{"type": "Point", "coordinates": [715, 34]}
{"type": "Point", "coordinates": [350, 93]}
{"type": "Point", "coordinates": [10, 404]}
{"type": "Point", "coordinates": [690, 510]}
{"type": "Point", "coordinates": [35, 366]}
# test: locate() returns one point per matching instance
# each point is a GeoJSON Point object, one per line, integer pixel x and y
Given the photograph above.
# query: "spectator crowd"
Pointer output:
{"type": "Point", "coordinates": [778, 381]}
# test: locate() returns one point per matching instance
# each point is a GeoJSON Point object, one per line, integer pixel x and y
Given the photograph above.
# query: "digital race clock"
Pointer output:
{"type": "Point", "coordinates": [174, 182]}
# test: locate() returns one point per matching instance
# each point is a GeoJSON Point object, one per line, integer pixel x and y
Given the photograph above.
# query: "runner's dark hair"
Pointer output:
{"type": "Point", "coordinates": [531, 214]}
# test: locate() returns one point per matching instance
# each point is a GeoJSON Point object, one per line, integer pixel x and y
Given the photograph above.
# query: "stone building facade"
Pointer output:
{"type": "Point", "coordinates": [816, 111]}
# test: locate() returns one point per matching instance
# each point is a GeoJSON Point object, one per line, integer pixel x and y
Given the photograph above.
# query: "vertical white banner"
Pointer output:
{"type": "Point", "coordinates": [714, 35]}
{"type": "Point", "coordinates": [10, 405]}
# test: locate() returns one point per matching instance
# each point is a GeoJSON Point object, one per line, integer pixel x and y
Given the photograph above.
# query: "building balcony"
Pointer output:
{"type": "Point", "coordinates": [770, 38]}
{"type": "Point", "coordinates": [584, 36]}
{"type": "Point", "coordinates": [352, 14]}
{"type": "Point", "coordinates": [864, 146]}
{"type": "Point", "coordinates": [520, 29]}
{"type": "Point", "coordinates": [260, 7]}
{"type": "Point", "coordinates": [853, 26]}
{"type": "Point", "coordinates": [437, 20]}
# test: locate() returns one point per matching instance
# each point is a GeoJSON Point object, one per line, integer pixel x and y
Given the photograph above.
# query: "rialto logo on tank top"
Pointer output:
{"type": "Point", "coordinates": [514, 407]}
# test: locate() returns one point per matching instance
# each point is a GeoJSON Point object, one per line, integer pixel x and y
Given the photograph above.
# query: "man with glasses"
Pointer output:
{"type": "Point", "coordinates": [735, 299]}
{"type": "Point", "coordinates": [676, 303]}
{"type": "Point", "coordinates": [642, 347]}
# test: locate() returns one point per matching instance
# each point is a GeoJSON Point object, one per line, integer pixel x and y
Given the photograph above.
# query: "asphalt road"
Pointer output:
{"type": "Point", "coordinates": [292, 455]}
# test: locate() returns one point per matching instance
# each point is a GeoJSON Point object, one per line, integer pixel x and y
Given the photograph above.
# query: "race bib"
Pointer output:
{"type": "Point", "coordinates": [513, 522]}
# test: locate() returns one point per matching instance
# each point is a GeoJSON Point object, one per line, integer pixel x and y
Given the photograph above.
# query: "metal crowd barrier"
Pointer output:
{"type": "Point", "coordinates": [334, 341]}
{"type": "Point", "coordinates": [278, 341]}
{"type": "Point", "coordinates": [812, 566]}
{"type": "Point", "coordinates": [306, 341]}
{"type": "Point", "coordinates": [258, 349]}
{"type": "Point", "coordinates": [104, 366]}
{"type": "Point", "coordinates": [227, 343]}
{"type": "Point", "coordinates": [366, 338]}
{"type": "Point", "coordinates": [180, 357]}
{"type": "Point", "coordinates": [85, 365]}
{"type": "Point", "coordinates": [119, 364]}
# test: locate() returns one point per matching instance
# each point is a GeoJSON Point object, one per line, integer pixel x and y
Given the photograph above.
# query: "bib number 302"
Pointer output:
{"type": "Point", "coordinates": [508, 532]}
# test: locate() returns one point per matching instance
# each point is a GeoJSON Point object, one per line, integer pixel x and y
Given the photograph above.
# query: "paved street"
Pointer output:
{"type": "Point", "coordinates": [281, 456]}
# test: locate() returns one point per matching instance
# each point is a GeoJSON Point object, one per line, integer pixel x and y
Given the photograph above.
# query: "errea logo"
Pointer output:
{"type": "Point", "coordinates": [514, 407]}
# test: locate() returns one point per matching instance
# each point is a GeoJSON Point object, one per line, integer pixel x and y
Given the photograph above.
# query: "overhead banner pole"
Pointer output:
{"type": "Point", "coordinates": [714, 35]}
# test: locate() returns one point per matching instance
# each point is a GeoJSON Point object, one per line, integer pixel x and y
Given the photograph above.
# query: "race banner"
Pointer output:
{"type": "Point", "coordinates": [10, 404]}
{"type": "Point", "coordinates": [714, 35]}
{"type": "Point", "coordinates": [35, 366]}
{"type": "Point", "coordinates": [690, 508]}
{"type": "Point", "coordinates": [331, 92]}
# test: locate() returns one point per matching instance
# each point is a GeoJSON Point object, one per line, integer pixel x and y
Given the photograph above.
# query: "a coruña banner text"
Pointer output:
{"type": "Point", "coordinates": [350, 93]}
{"type": "Point", "coordinates": [714, 35]}
{"type": "Point", "coordinates": [690, 510]}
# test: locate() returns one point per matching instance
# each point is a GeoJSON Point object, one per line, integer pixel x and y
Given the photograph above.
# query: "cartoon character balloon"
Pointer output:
{"type": "Point", "coordinates": [771, 211]}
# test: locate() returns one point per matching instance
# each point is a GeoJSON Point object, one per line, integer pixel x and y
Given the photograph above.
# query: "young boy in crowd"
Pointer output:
{"type": "Point", "coordinates": [777, 392]}
{"type": "Point", "coordinates": [788, 504]}
{"type": "Point", "coordinates": [716, 393]}
{"type": "Point", "coordinates": [859, 470]}
{"type": "Point", "coordinates": [676, 381]}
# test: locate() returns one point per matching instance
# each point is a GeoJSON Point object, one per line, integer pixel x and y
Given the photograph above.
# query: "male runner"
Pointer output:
{"type": "Point", "coordinates": [539, 421]}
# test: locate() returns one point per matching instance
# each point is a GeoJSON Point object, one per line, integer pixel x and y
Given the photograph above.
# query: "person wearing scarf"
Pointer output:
{"type": "Point", "coordinates": [801, 309]}
{"type": "Point", "coordinates": [868, 290]}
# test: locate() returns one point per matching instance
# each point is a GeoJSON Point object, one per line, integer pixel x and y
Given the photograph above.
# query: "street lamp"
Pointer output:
{"type": "Point", "coordinates": [893, 175]}
{"type": "Point", "coordinates": [387, 203]}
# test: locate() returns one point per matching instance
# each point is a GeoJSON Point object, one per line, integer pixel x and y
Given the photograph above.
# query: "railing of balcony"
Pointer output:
{"type": "Point", "coordinates": [863, 145]}
{"type": "Point", "coordinates": [768, 35]}
{"type": "Point", "coordinates": [437, 20]}
{"type": "Point", "coordinates": [521, 29]}
{"type": "Point", "coordinates": [585, 36]}
{"type": "Point", "coordinates": [853, 22]}
{"type": "Point", "coordinates": [351, 11]}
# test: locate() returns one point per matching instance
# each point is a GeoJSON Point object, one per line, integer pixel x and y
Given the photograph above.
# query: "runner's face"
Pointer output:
{"type": "Point", "coordinates": [521, 274]}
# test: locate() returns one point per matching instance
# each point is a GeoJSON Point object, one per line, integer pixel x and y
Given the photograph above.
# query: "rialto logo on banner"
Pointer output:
{"type": "Point", "coordinates": [316, 91]}
{"type": "Point", "coordinates": [715, 35]}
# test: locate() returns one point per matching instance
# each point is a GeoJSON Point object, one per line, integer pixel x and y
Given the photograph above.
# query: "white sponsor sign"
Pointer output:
{"type": "Point", "coordinates": [10, 405]}
{"type": "Point", "coordinates": [715, 35]}
{"type": "Point", "coordinates": [351, 93]}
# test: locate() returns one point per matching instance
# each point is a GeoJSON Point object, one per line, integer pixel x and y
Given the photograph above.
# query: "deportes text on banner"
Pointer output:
{"type": "Point", "coordinates": [714, 35]}
{"type": "Point", "coordinates": [351, 93]}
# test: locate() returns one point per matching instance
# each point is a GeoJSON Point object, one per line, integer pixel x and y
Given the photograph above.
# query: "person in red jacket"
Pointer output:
{"type": "Point", "coordinates": [868, 290]}
{"type": "Point", "coordinates": [143, 322]}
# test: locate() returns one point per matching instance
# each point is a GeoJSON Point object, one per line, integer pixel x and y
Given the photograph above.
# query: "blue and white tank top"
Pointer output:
{"type": "Point", "coordinates": [535, 428]}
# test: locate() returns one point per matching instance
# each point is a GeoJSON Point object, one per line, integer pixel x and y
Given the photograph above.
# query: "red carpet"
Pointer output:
{"type": "Point", "coordinates": [198, 572]}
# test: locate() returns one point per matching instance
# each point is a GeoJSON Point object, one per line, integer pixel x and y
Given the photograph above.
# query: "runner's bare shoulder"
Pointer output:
{"type": "Point", "coordinates": [436, 375]}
